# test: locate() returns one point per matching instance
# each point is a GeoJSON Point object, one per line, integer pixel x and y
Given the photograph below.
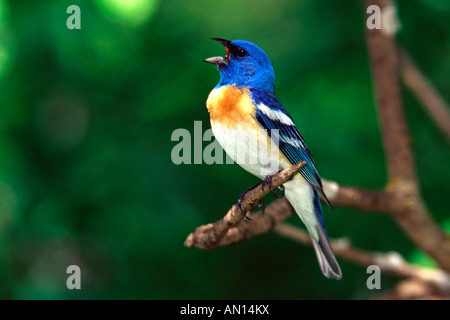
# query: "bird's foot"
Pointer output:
{"type": "Point", "coordinates": [268, 181]}
{"type": "Point", "coordinates": [241, 207]}
{"type": "Point", "coordinates": [244, 212]}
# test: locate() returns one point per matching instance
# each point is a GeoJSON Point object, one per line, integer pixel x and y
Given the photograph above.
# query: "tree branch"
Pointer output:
{"type": "Point", "coordinates": [225, 232]}
{"type": "Point", "coordinates": [407, 206]}
{"type": "Point", "coordinates": [392, 262]}
{"type": "Point", "coordinates": [414, 289]}
{"type": "Point", "coordinates": [362, 199]}
{"type": "Point", "coordinates": [384, 62]}
{"type": "Point", "coordinates": [429, 97]}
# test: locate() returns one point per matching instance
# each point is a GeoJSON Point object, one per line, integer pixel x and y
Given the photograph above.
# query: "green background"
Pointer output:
{"type": "Point", "coordinates": [86, 118]}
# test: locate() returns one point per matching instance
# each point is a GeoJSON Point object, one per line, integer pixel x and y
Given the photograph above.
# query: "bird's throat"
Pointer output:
{"type": "Point", "coordinates": [230, 105]}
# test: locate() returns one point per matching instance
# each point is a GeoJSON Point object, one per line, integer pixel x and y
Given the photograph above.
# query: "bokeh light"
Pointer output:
{"type": "Point", "coordinates": [131, 12]}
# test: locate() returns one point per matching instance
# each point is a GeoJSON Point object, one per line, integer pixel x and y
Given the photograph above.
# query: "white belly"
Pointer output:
{"type": "Point", "coordinates": [255, 151]}
{"type": "Point", "coordinates": [251, 148]}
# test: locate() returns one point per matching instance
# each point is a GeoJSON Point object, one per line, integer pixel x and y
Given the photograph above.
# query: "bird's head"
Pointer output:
{"type": "Point", "coordinates": [245, 64]}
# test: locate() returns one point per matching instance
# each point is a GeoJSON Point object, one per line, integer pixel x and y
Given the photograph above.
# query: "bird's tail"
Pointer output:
{"type": "Point", "coordinates": [312, 217]}
{"type": "Point", "coordinates": [327, 261]}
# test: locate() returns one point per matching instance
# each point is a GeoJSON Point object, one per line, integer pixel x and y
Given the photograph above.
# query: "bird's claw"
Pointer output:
{"type": "Point", "coordinates": [268, 181]}
{"type": "Point", "coordinates": [239, 204]}
{"type": "Point", "coordinates": [241, 207]}
{"type": "Point", "coordinates": [244, 212]}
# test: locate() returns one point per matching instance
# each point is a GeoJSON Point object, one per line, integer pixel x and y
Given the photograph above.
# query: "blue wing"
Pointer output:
{"type": "Point", "coordinates": [269, 112]}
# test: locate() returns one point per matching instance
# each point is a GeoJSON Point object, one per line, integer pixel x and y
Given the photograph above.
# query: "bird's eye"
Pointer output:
{"type": "Point", "coordinates": [242, 53]}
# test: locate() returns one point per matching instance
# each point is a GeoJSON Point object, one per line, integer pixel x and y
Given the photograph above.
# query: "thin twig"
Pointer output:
{"type": "Point", "coordinates": [430, 98]}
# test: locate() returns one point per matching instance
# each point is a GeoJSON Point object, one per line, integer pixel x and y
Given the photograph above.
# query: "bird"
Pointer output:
{"type": "Point", "coordinates": [244, 111]}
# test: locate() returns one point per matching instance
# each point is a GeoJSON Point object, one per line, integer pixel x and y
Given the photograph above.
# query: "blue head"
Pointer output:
{"type": "Point", "coordinates": [245, 64]}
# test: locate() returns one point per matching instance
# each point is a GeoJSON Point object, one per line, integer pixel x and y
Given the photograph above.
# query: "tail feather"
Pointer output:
{"type": "Point", "coordinates": [327, 261]}
{"type": "Point", "coordinates": [299, 193]}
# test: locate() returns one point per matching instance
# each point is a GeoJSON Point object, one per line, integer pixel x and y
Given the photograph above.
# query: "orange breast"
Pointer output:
{"type": "Point", "coordinates": [230, 106]}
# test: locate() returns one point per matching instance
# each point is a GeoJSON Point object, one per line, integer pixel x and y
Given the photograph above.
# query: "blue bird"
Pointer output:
{"type": "Point", "coordinates": [245, 112]}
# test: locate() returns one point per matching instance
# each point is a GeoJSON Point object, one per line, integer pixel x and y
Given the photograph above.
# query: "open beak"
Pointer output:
{"type": "Point", "coordinates": [218, 61]}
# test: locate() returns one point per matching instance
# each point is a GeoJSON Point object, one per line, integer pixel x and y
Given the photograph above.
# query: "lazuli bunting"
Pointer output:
{"type": "Point", "coordinates": [241, 105]}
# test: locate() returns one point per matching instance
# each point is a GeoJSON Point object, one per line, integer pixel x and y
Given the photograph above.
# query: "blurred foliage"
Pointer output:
{"type": "Point", "coordinates": [86, 118]}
